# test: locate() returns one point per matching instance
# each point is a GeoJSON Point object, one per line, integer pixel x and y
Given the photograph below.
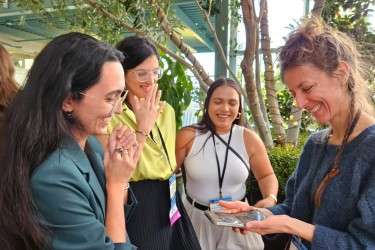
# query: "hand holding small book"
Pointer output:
{"type": "Point", "coordinates": [238, 207]}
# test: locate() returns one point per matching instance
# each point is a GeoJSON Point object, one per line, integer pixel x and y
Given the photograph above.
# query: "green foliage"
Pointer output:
{"type": "Point", "coordinates": [199, 96]}
{"type": "Point", "coordinates": [285, 100]}
{"type": "Point", "coordinates": [210, 7]}
{"type": "Point", "coordinates": [176, 86]}
{"type": "Point", "coordinates": [349, 16]}
{"type": "Point", "coordinates": [80, 16]}
{"type": "Point", "coordinates": [284, 160]}
{"type": "Point", "coordinates": [235, 7]}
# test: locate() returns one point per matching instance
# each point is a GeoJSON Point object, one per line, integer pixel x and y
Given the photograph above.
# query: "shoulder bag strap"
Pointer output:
{"type": "Point", "coordinates": [234, 152]}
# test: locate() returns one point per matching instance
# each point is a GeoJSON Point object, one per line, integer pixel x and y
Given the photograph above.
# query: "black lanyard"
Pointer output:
{"type": "Point", "coordinates": [163, 143]}
{"type": "Point", "coordinates": [221, 176]}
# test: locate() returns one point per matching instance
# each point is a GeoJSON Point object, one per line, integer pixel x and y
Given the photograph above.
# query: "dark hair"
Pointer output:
{"type": "Point", "coordinates": [323, 47]}
{"type": "Point", "coordinates": [136, 49]}
{"type": "Point", "coordinates": [8, 85]}
{"type": "Point", "coordinates": [206, 123]}
{"type": "Point", "coordinates": [36, 124]}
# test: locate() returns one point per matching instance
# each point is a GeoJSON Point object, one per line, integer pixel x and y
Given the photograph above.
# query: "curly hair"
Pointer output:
{"type": "Point", "coordinates": [317, 44]}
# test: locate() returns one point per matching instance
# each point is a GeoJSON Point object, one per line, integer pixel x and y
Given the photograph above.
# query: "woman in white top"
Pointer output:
{"type": "Point", "coordinates": [214, 171]}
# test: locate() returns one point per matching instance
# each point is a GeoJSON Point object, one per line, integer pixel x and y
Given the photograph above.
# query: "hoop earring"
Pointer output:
{"type": "Point", "coordinates": [238, 116]}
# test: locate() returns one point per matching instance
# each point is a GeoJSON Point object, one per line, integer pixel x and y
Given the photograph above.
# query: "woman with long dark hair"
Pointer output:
{"type": "Point", "coordinates": [218, 154]}
{"type": "Point", "coordinates": [58, 188]}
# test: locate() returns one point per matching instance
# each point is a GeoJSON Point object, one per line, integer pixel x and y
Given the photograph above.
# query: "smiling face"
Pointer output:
{"type": "Point", "coordinates": [320, 94]}
{"type": "Point", "coordinates": [223, 108]}
{"type": "Point", "coordinates": [137, 88]}
{"type": "Point", "coordinates": [93, 111]}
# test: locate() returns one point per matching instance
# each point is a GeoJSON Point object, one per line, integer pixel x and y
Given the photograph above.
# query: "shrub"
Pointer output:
{"type": "Point", "coordinates": [284, 160]}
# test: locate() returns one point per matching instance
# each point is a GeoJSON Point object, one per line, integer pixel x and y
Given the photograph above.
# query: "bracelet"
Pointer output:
{"type": "Point", "coordinates": [142, 133]}
{"type": "Point", "coordinates": [127, 187]}
{"type": "Point", "coordinates": [272, 196]}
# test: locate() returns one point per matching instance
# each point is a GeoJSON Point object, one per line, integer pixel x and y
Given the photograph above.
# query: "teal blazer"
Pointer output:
{"type": "Point", "coordinates": [69, 191]}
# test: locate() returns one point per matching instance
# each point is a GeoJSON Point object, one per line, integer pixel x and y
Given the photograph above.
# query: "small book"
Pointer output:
{"type": "Point", "coordinates": [235, 219]}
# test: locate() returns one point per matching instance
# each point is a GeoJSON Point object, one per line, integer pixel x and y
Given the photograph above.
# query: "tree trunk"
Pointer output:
{"type": "Point", "coordinates": [220, 48]}
{"type": "Point", "coordinates": [293, 125]}
{"type": "Point", "coordinates": [181, 45]}
{"type": "Point", "coordinates": [276, 119]}
{"type": "Point", "coordinates": [318, 7]}
{"type": "Point", "coordinates": [258, 81]}
{"type": "Point", "coordinates": [247, 69]}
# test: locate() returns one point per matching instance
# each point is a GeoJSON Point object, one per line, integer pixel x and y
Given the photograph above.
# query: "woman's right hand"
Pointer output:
{"type": "Point", "coordinates": [119, 167]}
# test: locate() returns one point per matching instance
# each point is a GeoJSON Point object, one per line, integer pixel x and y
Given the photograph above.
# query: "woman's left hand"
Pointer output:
{"type": "Point", "coordinates": [279, 224]}
{"type": "Point", "coordinates": [271, 225]}
{"type": "Point", "coordinates": [121, 137]}
{"type": "Point", "coordinates": [126, 137]}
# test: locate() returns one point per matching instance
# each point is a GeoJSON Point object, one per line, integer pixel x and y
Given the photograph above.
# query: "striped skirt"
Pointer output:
{"type": "Point", "coordinates": [149, 226]}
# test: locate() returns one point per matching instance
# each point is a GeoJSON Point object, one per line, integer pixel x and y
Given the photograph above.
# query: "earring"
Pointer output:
{"type": "Point", "coordinates": [68, 114]}
{"type": "Point", "coordinates": [238, 116]}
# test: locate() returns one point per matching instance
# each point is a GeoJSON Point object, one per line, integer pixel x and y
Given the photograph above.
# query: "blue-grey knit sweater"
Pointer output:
{"type": "Point", "coordinates": [346, 217]}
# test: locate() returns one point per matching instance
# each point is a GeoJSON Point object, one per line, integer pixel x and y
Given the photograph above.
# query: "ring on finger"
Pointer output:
{"type": "Point", "coordinates": [120, 150]}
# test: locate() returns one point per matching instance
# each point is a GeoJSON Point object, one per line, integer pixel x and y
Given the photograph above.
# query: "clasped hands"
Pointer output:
{"type": "Point", "coordinates": [121, 156]}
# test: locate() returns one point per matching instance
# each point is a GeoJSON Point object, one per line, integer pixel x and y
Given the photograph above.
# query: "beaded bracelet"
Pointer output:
{"type": "Point", "coordinates": [142, 133]}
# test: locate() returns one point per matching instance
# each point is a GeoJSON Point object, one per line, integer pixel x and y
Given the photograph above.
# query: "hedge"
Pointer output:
{"type": "Point", "coordinates": [284, 160]}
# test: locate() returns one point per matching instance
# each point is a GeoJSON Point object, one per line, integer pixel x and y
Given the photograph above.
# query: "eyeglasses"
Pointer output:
{"type": "Point", "coordinates": [142, 75]}
{"type": "Point", "coordinates": [114, 103]}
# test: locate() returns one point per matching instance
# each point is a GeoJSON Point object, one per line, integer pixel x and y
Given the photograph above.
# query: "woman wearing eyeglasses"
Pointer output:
{"type": "Point", "coordinates": [160, 221]}
{"type": "Point", "coordinates": [58, 188]}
